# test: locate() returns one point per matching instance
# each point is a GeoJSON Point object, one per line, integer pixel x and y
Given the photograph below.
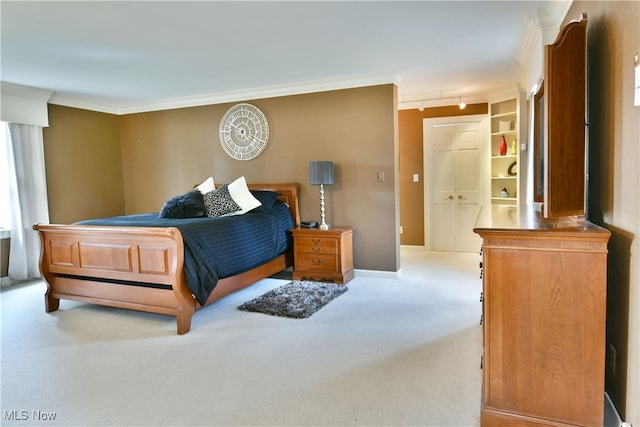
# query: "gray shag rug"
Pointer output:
{"type": "Point", "coordinates": [297, 300]}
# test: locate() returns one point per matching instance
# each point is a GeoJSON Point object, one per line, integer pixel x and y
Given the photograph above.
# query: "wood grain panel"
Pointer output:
{"type": "Point", "coordinates": [539, 304]}
{"type": "Point", "coordinates": [153, 260]}
{"type": "Point", "coordinates": [62, 253]}
{"type": "Point", "coordinates": [106, 256]}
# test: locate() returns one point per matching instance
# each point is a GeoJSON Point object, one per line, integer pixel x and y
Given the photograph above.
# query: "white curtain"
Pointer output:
{"type": "Point", "coordinates": [27, 198]}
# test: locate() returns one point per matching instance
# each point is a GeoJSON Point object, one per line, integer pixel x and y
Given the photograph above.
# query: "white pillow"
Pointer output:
{"type": "Point", "coordinates": [207, 186]}
{"type": "Point", "coordinates": [242, 196]}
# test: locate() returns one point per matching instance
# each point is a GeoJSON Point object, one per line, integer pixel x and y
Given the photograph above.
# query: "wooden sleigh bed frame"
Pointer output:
{"type": "Point", "coordinates": [138, 268]}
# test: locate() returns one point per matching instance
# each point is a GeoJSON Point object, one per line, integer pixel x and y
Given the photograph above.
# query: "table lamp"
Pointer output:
{"type": "Point", "coordinates": [322, 174]}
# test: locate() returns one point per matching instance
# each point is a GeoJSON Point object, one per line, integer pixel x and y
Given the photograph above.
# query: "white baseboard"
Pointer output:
{"type": "Point", "coordinates": [378, 273]}
{"type": "Point", "coordinates": [414, 248]}
{"type": "Point", "coordinates": [611, 416]}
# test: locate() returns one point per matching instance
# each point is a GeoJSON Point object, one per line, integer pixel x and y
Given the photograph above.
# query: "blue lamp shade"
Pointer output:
{"type": "Point", "coordinates": [321, 172]}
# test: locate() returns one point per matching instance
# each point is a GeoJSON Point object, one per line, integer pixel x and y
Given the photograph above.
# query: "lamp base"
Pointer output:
{"type": "Point", "coordinates": [323, 224]}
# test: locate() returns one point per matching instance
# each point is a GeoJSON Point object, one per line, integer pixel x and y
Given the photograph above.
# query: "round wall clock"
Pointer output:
{"type": "Point", "coordinates": [244, 131]}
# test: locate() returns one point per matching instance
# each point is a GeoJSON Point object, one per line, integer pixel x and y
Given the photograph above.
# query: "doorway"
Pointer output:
{"type": "Point", "coordinates": [453, 153]}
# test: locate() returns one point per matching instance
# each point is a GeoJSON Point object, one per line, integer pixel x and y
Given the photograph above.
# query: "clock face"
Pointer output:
{"type": "Point", "coordinates": [244, 132]}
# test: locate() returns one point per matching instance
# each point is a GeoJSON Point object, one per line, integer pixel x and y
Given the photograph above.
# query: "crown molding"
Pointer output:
{"type": "Point", "coordinates": [24, 104]}
{"type": "Point", "coordinates": [528, 40]}
{"type": "Point", "coordinates": [541, 25]}
{"type": "Point", "coordinates": [556, 12]}
{"type": "Point", "coordinates": [231, 96]}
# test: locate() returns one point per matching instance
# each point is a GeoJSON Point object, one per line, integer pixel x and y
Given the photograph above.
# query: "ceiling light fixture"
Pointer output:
{"type": "Point", "coordinates": [422, 101]}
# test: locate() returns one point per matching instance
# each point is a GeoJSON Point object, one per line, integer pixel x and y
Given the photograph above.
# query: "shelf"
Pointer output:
{"type": "Point", "coordinates": [503, 115]}
{"type": "Point", "coordinates": [504, 108]}
{"type": "Point", "coordinates": [506, 132]}
{"type": "Point", "coordinates": [504, 124]}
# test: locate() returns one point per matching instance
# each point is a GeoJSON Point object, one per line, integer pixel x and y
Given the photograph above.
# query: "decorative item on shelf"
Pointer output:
{"type": "Point", "coordinates": [322, 174]}
{"type": "Point", "coordinates": [504, 193]}
{"type": "Point", "coordinates": [503, 146]}
{"type": "Point", "coordinates": [512, 169]}
{"type": "Point", "coordinates": [514, 146]}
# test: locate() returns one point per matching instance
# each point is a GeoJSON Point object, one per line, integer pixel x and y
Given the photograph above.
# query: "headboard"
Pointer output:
{"type": "Point", "coordinates": [289, 193]}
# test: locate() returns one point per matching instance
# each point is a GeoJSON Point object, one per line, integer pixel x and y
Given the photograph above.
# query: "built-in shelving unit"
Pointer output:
{"type": "Point", "coordinates": [504, 168]}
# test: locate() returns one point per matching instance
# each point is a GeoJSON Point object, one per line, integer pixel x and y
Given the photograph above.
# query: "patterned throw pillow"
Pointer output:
{"type": "Point", "coordinates": [219, 202]}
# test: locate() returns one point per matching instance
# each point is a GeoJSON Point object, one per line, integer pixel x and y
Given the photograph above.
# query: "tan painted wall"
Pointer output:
{"type": "Point", "coordinates": [83, 165]}
{"type": "Point", "coordinates": [410, 142]}
{"type": "Point", "coordinates": [164, 153]}
{"type": "Point", "coordinates": [613, 35]}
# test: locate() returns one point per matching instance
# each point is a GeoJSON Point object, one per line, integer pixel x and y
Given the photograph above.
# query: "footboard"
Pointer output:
{"type": "Point", "coordinates": [139, 268]}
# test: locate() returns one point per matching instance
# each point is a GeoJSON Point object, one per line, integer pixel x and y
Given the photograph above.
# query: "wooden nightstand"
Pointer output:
{"type": "Point", "coordinates": [323, 254]}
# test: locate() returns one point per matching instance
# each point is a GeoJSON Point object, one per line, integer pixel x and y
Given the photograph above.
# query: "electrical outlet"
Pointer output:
{"type": "Point", "coordinates": [611, 358]}
{"type": "Point", "coordinates": [401, 229]}
{"type": "Point", "coordinates": [416, 177]}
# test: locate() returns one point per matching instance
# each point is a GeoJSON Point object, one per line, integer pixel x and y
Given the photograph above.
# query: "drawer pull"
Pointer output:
{"type": "Point", "coordinates": [316, 261]}
{"type": "Point", "coordinates": [316, 241]}
{"type": "Point", "coordinates": [316, 250]}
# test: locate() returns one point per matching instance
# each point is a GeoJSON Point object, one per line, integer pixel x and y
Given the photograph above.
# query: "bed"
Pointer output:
{"type": "Point", "coordinates": [143, 267]}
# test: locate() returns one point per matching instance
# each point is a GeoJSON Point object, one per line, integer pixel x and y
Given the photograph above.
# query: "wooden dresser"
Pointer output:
{"type": "Point", "coordinates": [323, 254]}
{"type": "Point", "coordinates": [544, 308]}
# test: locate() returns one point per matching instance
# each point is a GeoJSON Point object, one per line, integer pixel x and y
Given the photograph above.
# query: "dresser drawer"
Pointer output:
{"type": "Point", "coordinates": [317, 245]}
{"type": "Point", "coordinates": [317, 262]}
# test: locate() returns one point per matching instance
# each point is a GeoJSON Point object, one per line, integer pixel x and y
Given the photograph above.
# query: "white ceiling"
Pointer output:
{"type": "Point", "coordinates": [124, 56]}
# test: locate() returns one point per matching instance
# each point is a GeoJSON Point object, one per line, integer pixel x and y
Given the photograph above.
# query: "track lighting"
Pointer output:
{"type": "Point", "coordinates": [422, 101]}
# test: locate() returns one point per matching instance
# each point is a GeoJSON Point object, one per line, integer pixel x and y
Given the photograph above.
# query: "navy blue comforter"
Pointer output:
{"type": "Point", "coordinates": [215, 248]}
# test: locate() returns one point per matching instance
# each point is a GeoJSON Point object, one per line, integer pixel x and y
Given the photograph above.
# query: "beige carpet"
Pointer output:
{"type": "Point", "coordinates": [388, 352]}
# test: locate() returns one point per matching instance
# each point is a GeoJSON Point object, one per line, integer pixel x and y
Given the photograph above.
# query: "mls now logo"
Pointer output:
{"type": "Point", "coordinates": [24, 415]}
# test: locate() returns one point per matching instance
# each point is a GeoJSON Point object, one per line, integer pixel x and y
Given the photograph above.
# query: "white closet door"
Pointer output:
{"type": "Point", "coordinates": [453, 195]}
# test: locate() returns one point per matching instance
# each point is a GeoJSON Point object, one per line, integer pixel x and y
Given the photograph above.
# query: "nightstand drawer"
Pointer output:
{"type": "Point", "coordinates": [317, 262]}
{"type": "Point", "coordinates": [317, 245]}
